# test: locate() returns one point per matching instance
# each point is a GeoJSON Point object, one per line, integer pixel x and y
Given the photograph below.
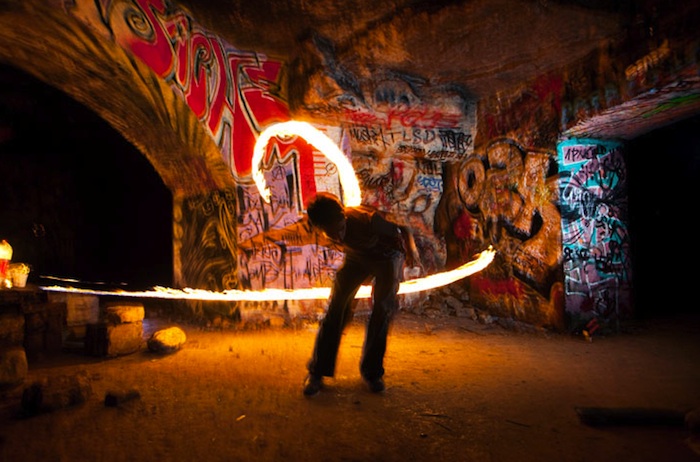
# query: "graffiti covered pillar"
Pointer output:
{"type": "Point", "coordinates": [595, 237]}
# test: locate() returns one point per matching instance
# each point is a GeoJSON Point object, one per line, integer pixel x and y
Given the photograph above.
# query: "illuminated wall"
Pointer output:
{"type": "Point", "coordinates": [235, 94]}
{"type": "Point", "coordinates": [399, 156]}
{"type": "Point", "coordinates": [287, 265]}
{"type": "Point", "coordinates": [412, 146]}
{"type": "Point", "coordinates": [418, 156]}
{"type": "Point", "coordinates": [506, 195]}
{"type": "Point", "coordinates": [397, 149]}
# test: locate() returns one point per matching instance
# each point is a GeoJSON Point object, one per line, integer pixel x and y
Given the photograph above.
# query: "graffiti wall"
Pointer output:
{"type": "Point", "coordinates": [286, 264]}
{"type": "Point", "coordinates": [398, 142]}
{"type": "Point", "coordinates": [399, 171]}
{"type": "Point", "coordinates": [205, 236]}
{"type": "Point", "coordinates": [413, 152]}
{"type": "Point", "coordinates": [596, 242]}
{"type": "Point", "coordinates": [235, 94]}
{"type": "Point", "coordinates": [506, 196]}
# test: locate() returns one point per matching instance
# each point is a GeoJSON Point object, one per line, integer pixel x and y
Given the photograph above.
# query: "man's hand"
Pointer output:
{"type": "Point", "coordinates": [412, 256]}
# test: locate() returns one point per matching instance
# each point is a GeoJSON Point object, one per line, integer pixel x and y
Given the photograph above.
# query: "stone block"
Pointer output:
{"type": "Point", "coordinates": [81, 309]}
{"type": "Point", "coordinates": [123, 312]}
{"type": "Point", "coordinates": [106, 339]}
{"type": "Point", "coordinates": [13, 366]}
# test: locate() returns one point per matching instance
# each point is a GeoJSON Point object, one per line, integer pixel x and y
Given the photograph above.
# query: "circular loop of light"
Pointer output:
{"type": "Point", "coordinates": [351, 187]}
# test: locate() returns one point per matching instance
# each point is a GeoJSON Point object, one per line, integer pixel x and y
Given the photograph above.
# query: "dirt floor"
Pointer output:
{"type": "Point", "coordinates": [457, 390]}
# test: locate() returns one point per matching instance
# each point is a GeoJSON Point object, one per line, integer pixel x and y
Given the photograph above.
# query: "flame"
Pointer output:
{"type": "Point", "coordinates": [432, 281]}
{"type": "Point", "coordinates": [351, 187]}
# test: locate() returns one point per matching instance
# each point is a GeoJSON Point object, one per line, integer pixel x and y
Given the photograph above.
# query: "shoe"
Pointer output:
{"type": "Point", "coordinates": [376, 385]}
{"type": "Point", "coordinates": [312, 385]}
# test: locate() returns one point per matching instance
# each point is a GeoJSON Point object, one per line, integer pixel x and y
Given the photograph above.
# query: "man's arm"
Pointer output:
{"type": "Point", "coordinates": [297, 234]}
{"type": "Point", "coordinates": [412, 256]}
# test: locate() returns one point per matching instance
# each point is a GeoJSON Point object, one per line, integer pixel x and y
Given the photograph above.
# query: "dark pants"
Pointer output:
{"type": "Point", "coordinates": [348, 279]}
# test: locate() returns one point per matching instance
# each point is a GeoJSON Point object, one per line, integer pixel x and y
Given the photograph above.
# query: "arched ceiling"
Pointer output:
{"type": "Point", "coordinates": [118, 88]}
{"type": "Point", "coordinates": [484, 47]}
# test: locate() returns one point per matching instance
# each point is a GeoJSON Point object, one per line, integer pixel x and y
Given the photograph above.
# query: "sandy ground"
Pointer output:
{"type": "Point", "coordinates": [457, 390]}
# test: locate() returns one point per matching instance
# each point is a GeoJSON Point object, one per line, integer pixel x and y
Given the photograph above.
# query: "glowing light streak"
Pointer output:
{"type": "Point", "coordinates": [351, 187]}
{"type": "Point", "coordinates": [432, 281]}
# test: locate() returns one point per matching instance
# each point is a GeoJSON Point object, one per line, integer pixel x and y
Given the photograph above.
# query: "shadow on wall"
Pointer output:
{"type": "Point", "coordinates": [78, 200]}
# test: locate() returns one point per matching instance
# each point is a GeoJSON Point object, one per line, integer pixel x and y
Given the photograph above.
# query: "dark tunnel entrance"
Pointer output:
{"type": "Point", "coordinates": [76, 199]}
{"type": "Point", "coordinates": [664, 173]}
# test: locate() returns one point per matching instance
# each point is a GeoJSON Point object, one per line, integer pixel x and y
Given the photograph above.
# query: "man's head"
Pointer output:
{"type": "Point", "coordinates": [327, 213]}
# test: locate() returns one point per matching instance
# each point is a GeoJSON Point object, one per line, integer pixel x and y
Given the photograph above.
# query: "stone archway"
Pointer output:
{"type": "Point", "coordinates": [53, 46]}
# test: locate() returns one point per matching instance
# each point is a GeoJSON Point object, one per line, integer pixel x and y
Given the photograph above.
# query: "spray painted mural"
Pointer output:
{"type": "Point", "coordinates": [284, 264]}
{"type": "Point", "coordinates": [399, 170]}
{"type": "Point", "coordinates": [235, 94]}
{"type": "Point", "coordinates": [596, 242]}
{"type": "Point", "coordinates": [404, 141]}
{"type": "Point", "coordinates": [506, 195]}
{"type": "Point", "coordinates": [397, 142]}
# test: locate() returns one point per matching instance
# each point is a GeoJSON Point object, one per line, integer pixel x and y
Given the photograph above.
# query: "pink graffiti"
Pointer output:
{"type": "Point", "coordinates": [421, 117]}
{"type": "Point", "coordinates": [361, 117]}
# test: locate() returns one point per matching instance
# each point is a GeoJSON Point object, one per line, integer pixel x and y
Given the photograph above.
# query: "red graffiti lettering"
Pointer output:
{"type": "Point", "coordinates": [200, 65]}
{"type": "Point", "coordinates": [236, 94]}
{"type": "Point", "coordinates": [146, 38]}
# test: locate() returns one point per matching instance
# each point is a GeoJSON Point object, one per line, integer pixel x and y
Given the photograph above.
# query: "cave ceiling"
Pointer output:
{"type": "Point", "coordinates": [482, 47]}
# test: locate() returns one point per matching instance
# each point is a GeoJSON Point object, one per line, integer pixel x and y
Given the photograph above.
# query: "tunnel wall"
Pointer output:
{"type": "Point", "coordinates": [418, 156]}
{"type": "Point", "coordinates": [463, 174]}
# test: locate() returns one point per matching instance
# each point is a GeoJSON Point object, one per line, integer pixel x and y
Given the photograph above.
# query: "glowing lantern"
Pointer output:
{"type": "Point", "coordinates": [5, 257]}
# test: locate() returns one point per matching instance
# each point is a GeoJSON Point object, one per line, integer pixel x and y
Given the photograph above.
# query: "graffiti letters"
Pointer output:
{"type": "Point", "coordinates": [511, 202]}
{"type": "Point", "coordinates": [437, 144]}
{"type": "Point", "coordinates": [234, 93]}
{"type": "Point", "coordinates": [594, 232]}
